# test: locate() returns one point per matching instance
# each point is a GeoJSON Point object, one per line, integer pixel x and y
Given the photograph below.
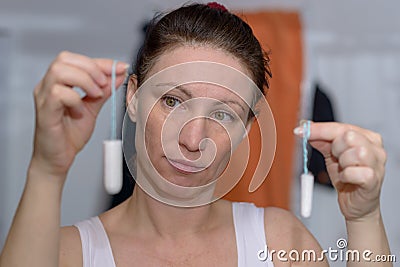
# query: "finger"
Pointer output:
{"type": "Point", "coordinates": [347, 140]}
{"type": "Point", "coordinates": [362, 176]}
{"type": "Point", "coordinates": [61, 73]}
{"type": "Point", "coordinates": [95, 105]}
{"type": "Point", "coordinates": [73, 102]}
{"type": "Point", "coordinates": [85, 63]}
{"type": "Point", "coordinates": [328, 131]}
{"type": "Point", "coordinates": [60, 98]}
{"type": "Point", "coordinates": [357, 156]}
{"type": "Point", "coordinates": [106, 66]}
{"type": "Point", "coordinates": [119, 81]}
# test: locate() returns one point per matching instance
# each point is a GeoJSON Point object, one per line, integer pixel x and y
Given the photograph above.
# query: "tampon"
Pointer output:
{"type": "Point", "coordinates": [307, 187]}
{"type": "Point", "coordinates": [112, 151]}
{"type": "Point", "coordinates": [307, 179]}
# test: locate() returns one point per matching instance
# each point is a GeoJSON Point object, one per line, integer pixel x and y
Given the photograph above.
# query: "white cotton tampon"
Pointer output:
{"type": "Point", "coordinates": [307, 187]}
{"type": "Point", "coordinates": [112, 151]}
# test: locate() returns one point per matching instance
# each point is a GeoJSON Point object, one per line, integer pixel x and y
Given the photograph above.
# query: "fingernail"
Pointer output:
{"type": "Point", "coordinates": [99, 93]}
{"type": "Point", "coordinates": [103, 80]}
{"type": "Point", "coordinates": [126, 66]}
{"type": "Point", "coordinates": [298, 131]}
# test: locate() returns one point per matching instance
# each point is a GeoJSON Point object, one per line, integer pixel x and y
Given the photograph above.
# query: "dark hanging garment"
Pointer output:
{"type": "Point", "coordinates": [322, 112]}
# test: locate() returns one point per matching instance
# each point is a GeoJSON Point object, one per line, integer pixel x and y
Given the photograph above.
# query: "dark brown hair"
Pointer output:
{"type": "Point", "coordinates": [199, 24]}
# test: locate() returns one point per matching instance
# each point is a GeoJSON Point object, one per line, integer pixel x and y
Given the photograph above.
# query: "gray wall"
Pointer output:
{"type": "Point", "coordinates": [352, 47]}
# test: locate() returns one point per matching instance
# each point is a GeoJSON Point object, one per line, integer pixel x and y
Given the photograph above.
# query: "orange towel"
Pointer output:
{"type": "Point", "coordinates": [280, 33]}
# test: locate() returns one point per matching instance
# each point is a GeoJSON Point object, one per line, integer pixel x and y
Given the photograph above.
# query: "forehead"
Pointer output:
{"type": "Point", "coordinates": [184, 54]}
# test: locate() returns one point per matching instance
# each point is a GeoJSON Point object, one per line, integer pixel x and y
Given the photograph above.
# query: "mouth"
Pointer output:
{"type": "Point", "coordinates": [185, 167]}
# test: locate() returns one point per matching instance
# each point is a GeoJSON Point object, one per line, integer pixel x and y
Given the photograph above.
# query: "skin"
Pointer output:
{"type": "Point", "coordinates": [188, 100]}
{"type": "Point", "coordinates": [189, 138]}
{"type": "Point", "coordinates": [146, 232]}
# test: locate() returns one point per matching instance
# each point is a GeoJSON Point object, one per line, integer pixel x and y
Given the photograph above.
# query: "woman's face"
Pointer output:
{"type": "Point", "coordinates": [188, 132]}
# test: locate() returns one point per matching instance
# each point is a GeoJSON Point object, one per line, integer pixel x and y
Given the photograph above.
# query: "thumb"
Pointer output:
{"type": "Point", "coordinates": [321, 136]}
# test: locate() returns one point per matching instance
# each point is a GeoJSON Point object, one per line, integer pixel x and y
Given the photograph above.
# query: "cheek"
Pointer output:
{"type": "Point", "coordinates": [226, 139]}
{"type": "Point", "coordinates": [153, 130]}
{"type": "Point", "coordinates": [223, 158]}
{"type": "Point", "coordinates": [223, 143]}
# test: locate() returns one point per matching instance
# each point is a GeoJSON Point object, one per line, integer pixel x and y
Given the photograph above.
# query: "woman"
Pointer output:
{"type": "Point", "coordinates": [147, 231]}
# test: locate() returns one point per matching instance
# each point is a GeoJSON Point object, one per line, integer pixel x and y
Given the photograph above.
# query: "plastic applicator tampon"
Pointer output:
{"type": "Point", "coordinates": [112, 149]}
{"type": "Point", "coordinates": [307, 179]}
{"type": "Point", "coordinates": [307, 187]}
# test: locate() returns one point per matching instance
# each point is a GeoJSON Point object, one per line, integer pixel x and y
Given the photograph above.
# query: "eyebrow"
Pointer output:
{"type": "Point", "coordinates": [190, 95]}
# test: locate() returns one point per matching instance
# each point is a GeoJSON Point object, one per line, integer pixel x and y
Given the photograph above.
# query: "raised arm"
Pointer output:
{"type": "Point", "coordinates": [64, 124]}
{"type": "Point", "coordinates": [355, 160]}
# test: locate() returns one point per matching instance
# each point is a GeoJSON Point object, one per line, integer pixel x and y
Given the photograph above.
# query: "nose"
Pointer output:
{"type": "Point", "coordinates": [192, 133]}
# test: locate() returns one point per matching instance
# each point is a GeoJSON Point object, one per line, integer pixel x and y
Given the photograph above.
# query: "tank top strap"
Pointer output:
{"type": "Point", "coordinates": [96, 248]}
{"type": "Point", "coordinates": [249, 230]}
{"type": "Point", "coordinates": [250, 235]}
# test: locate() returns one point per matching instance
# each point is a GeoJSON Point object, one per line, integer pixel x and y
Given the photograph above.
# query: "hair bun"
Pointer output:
{"type": "Point", "coordinates": [215, 5]}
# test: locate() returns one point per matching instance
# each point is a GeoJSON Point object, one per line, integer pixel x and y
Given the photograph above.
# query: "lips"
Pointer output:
{"type": "Point", "coordinates": [185, 167]}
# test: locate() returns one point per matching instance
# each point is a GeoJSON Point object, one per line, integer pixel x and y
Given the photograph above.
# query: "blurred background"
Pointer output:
{"type": "Point", "coordinates": [350, 48]}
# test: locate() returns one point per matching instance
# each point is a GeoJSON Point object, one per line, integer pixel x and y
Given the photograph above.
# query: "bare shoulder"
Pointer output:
{"type": "Point", "coordinates": [284, 231]}
{"type": "Point", "coordinates": [282, 225]}
{"type": "Point", "coordinates": [70, 247]}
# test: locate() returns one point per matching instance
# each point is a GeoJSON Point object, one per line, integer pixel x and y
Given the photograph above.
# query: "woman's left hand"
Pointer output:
{"type": "Point", "coordinates": [355, 160]}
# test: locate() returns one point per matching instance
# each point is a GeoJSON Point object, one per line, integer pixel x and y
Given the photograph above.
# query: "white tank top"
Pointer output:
{"type": "Point", "coordinates": [249, 229]}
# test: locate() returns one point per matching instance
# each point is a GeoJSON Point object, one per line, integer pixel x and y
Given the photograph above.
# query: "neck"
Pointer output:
{"type": "Point", "coordinates": [163, 220]}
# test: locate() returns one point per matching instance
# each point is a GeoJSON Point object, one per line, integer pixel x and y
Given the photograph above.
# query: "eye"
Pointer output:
{"type": "Point", "coordinates": [171, 101]}
{"type": "Point", "coordinates": [222, 116]}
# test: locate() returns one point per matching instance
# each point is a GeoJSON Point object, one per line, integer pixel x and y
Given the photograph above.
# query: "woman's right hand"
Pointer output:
{"type": "Point", "coordinates": [64, 120]}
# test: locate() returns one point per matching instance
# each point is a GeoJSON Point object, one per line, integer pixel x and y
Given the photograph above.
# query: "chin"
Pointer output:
{"type": "Point", "coordinates": [166, 184]}
{"type": "Point", "coordinates": [185, 179]}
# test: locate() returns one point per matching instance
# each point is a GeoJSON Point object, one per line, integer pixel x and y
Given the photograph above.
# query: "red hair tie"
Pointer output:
{"type": "Point", "coordinates": [215, 5]}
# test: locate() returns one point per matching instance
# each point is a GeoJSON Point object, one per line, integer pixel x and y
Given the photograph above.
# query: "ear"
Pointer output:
{"type": "Point", "coordinates": [131, 97]}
